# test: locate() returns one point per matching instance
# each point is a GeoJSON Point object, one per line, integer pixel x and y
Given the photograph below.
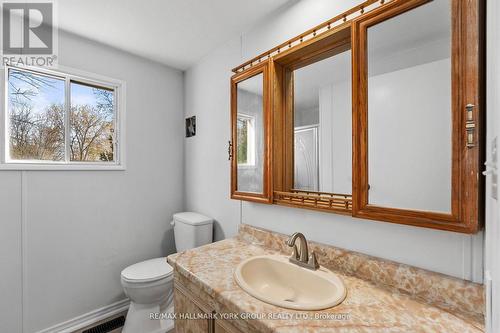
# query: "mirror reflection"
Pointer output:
{"type": "Point", "coordinates": [323, 125]}
{"type": "Point", "coordinates": [409, 110]}
{"type": "Point", "coordinates": [250, 135]}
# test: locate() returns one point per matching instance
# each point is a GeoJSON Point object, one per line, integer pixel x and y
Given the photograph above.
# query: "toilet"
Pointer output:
{"type": "Point", "coordinates": [149, 284]}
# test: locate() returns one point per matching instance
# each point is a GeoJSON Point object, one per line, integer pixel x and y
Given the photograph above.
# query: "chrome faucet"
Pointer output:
{"type": "Point", "coordinates": [301, 257]}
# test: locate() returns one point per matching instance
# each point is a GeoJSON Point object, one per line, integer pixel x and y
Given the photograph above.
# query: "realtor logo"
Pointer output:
{"type": "Point", "coordinates": [27, 28]}
{"type": "Point", "coordinates": [29, 33]}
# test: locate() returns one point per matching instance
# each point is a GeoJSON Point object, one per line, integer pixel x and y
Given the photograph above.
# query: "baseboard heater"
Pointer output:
{"type": "Point", "coordinates": [107, 326]}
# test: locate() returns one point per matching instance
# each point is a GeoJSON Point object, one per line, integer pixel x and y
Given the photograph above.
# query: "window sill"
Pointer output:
{"type": "Point", "coordinates": [60, 167]}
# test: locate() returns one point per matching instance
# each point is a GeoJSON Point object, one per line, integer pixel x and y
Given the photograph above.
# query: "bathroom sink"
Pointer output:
{"type": "Point", "coordinates": [274, 280]}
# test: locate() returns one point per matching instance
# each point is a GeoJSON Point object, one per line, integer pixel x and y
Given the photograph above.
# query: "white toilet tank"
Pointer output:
{"type": "Point", "coordinates": [191, 230]}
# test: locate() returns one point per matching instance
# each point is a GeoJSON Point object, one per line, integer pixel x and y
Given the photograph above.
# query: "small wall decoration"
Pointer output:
{"type": "Point", "coordinates": [190, 126]}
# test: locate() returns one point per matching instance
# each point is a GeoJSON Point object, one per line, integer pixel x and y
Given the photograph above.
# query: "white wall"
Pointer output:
{"type": "Point", "coordinates": [306, 116]}
{"type": "Point", "coordinates": [207, 168]}
{"type": "Point", "coordinates": [66, 235]}
{"type": "Point", "coordinates": [492, 253]}
{"type": "Point", "coordinates": [207, 180]}
{"type": "Point", "coordinates": [10, 252]}
{"type": "Point", "coordinates": [404, 144]}
{"type": "Point", "coordinates": [335, 132]}
{"type": "Point", "coordinates": [250, 177]}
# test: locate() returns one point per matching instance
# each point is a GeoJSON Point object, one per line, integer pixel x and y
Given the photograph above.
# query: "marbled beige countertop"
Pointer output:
{"type": "Point", "coordinates": [367, 307]}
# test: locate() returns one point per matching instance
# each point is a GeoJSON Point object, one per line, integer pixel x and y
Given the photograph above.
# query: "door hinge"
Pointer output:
{"type": "Point", "coordinates": [470, 126]}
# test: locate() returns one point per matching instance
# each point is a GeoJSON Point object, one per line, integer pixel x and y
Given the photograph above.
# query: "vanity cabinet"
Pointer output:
{"type": "Point", "coordinates": [195, 315]}
{"type": "Point", "coordinates": [190, 313]}
{"type": "Point", "coordinates": [377, 113]}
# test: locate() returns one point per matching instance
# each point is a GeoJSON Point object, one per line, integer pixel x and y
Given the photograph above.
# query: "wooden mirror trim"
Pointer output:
{"type": "Point", "coordinates": [314, 32]}
{"type": "Point", "coordinates": [466, 74]}
{"type": "Point", "coordinates": [266, 195]}
{"type": "Point", "coordinates": [335, 41]}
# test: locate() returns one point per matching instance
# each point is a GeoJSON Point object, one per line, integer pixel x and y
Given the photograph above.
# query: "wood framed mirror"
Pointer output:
{"type": "Point", "coordinates": [312, 123]}
{"type": "Point", "coordinates": [376, 113]}
{"type": "Point", "coordinates": [250, 130]}
{"type": "Point", "coordinates": [417, 115]}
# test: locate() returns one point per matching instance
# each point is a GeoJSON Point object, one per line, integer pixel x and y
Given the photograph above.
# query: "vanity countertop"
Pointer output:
{"type": "Point", "coordinates": [368, 307]}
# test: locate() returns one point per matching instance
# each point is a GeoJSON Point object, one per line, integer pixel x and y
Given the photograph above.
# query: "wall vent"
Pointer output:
{"type": "Point", "coordinates": [107, 326]}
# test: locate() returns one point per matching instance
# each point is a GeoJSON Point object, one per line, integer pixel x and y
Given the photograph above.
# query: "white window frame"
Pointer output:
{"type": "Point", "coordinates": [251, 147]}
{"type": "Point", "coordinates": [68, 75]}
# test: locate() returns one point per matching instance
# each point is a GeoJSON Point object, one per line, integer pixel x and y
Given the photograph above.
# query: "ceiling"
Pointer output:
{"type": "Point", "coordinates": [177, 33]}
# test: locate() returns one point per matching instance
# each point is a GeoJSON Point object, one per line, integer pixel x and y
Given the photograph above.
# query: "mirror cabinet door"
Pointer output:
{"type": "Point", "coordinates": [312, 110]}
{"type": "Point", "coordinates": [249, 121]}
{"type": "Point", "coordinates": [410, 109]}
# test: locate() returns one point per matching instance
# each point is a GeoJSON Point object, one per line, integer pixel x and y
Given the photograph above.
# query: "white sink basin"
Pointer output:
{"type": "Point", "coordinates": [274, 280]}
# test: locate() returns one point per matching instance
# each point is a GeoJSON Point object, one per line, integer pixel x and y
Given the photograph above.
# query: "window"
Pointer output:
{"type": "Point", "coordinates": [91, 123]}
{"type": "Point", "coordinates": [59, 119]}
{"type": "Point", "coordinates": [246, 140]}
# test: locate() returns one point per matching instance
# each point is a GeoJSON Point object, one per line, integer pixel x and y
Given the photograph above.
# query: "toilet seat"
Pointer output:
{"type": "Point", "coordinates": [147, 271]}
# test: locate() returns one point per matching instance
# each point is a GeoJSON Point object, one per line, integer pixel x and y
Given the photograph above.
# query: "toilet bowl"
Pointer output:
{"type": "Point", "coordinates": [149, 284]}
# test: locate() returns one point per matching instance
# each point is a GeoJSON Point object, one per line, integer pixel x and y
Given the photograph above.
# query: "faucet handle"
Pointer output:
{"type": "Point", "coordinates": [291, 240]}
{"type": "Point", "coordinates": [295, 252]}
{"type": "Point", "coordinates": [313, 261]}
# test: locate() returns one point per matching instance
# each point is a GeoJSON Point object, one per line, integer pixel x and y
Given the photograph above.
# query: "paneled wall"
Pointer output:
{"type": "Point", "coordinates": [66, 235]}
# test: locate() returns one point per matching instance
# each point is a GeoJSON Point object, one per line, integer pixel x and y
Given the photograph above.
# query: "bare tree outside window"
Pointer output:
{"type": "Point", "coordinates": [245, 152]}
{"type": "Point", "coordinates": [36, 118]}
{"type": "Point", "coordinates": [92, 125]}
{"type": "Point", "coordinates": [242, 146]}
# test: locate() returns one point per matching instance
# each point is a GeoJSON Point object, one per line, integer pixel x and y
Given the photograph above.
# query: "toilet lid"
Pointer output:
{"type": "Point", "coordinates": [149, 270]}
{"type": "Point", "coordinates": [192, 218]}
